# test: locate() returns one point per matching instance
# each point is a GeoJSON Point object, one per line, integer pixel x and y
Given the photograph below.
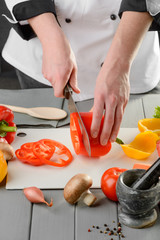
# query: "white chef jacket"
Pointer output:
{"type": "Point", "coordinates": [89, 26]}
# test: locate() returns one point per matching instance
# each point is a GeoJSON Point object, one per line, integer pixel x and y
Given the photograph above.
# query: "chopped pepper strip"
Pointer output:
{"type": "Point", "coordinates": [7, 127]}
{"type": "Point", "coordinates": [149, 124]}
{"type": "Point", "coordinates": [44, 151]}
{"type": "Point", "coordinates": [142, 146]}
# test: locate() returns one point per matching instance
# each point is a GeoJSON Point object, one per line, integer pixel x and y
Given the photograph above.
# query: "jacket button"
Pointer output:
{"type": "Point", "coordinates": [113, 17]}
{"type": "Point", "coordinates": [68, 20]}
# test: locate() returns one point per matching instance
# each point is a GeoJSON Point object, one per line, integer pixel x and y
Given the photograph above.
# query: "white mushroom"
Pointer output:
{"type": "Point", "coordinates": [7, 149]}
{"type": "Point", "coordinates": [78, 188]}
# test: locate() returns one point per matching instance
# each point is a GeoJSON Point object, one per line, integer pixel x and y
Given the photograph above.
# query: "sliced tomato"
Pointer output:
{"type": "Point", "coordinates": [44, 151]}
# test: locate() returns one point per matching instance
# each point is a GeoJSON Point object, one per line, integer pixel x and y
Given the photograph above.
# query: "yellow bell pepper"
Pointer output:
{"type": "Point", "coordinates": [3, 167]}
{"type": "Point", "coordinates": [142, 146]}
{"type": "Point", "coordinates": [151, 124]}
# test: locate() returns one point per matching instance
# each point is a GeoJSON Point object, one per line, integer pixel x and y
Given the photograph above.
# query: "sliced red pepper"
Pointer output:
{"type": "Point", "coordinates": [27, 146]}
{"type": "Point", "coordinates": [97, 149]}
{"type": "Point", "coordinates": [44, 151]}
{"type": "Point", "coordinates": [28, 157]}
{"type": "Point", "coordinates": [56, 158]}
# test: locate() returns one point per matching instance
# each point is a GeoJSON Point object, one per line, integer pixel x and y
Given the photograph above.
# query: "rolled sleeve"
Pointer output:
{"type": "Point", "coordinates": [150, 6]}
{"type": "Point", "coordinates": [21, 10]}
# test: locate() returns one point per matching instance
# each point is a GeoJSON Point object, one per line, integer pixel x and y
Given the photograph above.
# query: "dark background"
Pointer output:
{"type": "Point", "coordinates": [8, 78]}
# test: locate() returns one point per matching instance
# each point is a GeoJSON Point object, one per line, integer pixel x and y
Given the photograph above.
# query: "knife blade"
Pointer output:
{"type": "Point", "coordinates": [73, 108]}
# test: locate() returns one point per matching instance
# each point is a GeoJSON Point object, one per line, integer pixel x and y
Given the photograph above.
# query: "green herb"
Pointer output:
{"type": "Point", "coordinates": [157, 112]}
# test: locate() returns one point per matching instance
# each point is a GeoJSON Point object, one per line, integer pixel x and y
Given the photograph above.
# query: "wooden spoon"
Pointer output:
{"type": "Point", "coordinates": [49, 113]}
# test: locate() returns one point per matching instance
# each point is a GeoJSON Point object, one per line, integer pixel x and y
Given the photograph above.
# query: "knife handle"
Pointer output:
{"type": "Point", "coordinates": [67, 91]}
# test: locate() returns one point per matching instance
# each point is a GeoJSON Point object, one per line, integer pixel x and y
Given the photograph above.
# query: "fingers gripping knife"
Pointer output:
{"type": "Point", "coordinates": [73, 108]}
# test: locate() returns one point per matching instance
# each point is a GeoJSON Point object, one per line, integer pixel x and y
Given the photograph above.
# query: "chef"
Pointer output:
{"type": "Point", "coordinates": [60, 41]}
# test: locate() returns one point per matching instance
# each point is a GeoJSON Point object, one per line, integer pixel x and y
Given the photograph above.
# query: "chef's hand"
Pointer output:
{"type": "Point", "coordinates": [58, 63]}
{"type": "Point", "coordinates": [112, 86]}
{"type": "Point", "coordinates": [111, 95]}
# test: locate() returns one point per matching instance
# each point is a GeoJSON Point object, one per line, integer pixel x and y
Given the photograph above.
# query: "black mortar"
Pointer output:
{"type": "Point", "coordinates": [137, 207]}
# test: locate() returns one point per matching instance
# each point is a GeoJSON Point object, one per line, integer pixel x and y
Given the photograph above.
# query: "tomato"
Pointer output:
{"type": "Point", "coordinates": [97, 149]}
{"type": "Point", "coordinates": [44, 151]}
{"type": "Point", "coordinates": [3, 167]}
{"type": "Point", "coordinates": [109, 181]}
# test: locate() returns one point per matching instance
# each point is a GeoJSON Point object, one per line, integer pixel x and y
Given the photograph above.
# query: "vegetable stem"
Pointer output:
{"type": "Point", "coordinates": [119, 141]}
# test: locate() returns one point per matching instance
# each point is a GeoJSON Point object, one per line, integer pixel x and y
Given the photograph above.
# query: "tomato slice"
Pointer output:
{"type": "Point", "coordinates": [44, 151]}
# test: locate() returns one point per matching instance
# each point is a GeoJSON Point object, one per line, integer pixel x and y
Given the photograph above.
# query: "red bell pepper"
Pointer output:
{"type": "Point", "coordinates": [97, 149]}
{"type": "Point", "coordinates": [44, 151]}
{"type": "Point", "coordinates": [7, 126]}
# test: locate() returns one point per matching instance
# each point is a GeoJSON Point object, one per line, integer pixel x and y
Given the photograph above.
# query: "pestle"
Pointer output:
{"type": "Point", "coordinates": [148, 178]}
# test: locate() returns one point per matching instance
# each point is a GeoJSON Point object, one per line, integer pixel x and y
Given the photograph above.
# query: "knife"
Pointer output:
{"type": "Point", "coordinates": [73, 108]}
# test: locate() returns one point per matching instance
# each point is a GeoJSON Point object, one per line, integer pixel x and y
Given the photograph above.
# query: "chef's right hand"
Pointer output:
{"type": "Point", "coordinates": [58, 63]}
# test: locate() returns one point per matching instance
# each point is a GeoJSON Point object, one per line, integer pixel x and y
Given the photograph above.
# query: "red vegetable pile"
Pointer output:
{"type": "Point", "coordinates": [44, 151]}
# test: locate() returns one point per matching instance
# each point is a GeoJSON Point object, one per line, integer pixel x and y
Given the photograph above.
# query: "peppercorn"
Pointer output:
{"type": "Point", "coordinates": [89, 230]}
{"type": "Point", "coordinates": [110, 233]}
{"type": "Point", "coordinates": [101, 231]}
{"type": "Point", "coordinates": [105, 225]}
{"type": "Point", "coordinates": [93, 226]}
{"type": "Point", "coordinates": [97, 227]}
{"type": "Point", "coordinates": [119, 230]}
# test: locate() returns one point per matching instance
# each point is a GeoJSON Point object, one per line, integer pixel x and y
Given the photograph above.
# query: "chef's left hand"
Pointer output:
{"type": "Point", "coordinates": [111, 95]}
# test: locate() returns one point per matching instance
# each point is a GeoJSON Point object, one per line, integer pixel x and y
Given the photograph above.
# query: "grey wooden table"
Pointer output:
{"type": "Point", "coordinates": [21, 220]}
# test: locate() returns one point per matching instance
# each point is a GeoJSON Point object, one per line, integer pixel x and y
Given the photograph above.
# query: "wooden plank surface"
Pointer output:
{"type": "Point", "coordinates": [56, 222]}
{"type": "Point", "coordinates": [95, 218]}
{"type": "Point", "coordinates": [15, 215]}
{"type": "Point", "coordinates": [20, 220]}
{"type": "Point", "coordinates": [150, 233]}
